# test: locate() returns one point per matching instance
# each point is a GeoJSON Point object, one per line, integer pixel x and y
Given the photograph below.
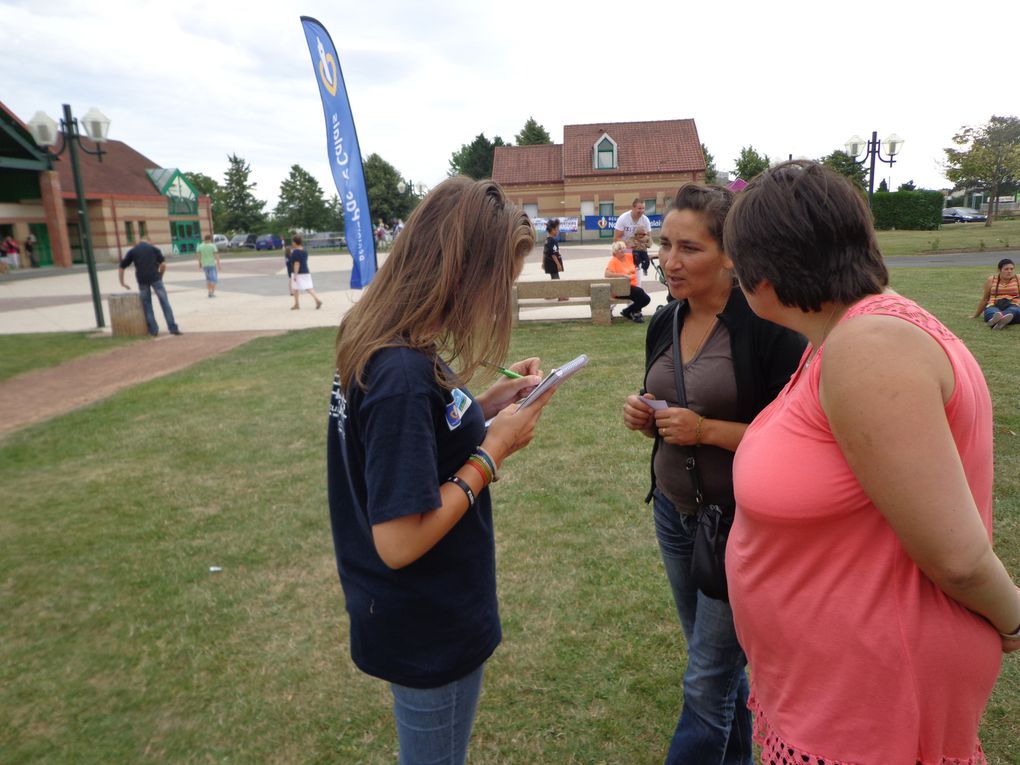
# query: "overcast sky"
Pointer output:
{"type": "Point", "coordinates": [188, 82]}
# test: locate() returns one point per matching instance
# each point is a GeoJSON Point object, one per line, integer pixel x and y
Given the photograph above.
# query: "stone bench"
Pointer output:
{"type": "Point", "coordinates": [600, 294]}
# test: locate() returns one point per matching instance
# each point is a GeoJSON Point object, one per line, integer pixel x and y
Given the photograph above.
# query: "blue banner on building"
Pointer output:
{"type": "Point", "coordinates": [344, 152]}
{"type": "Point", "coordinates": [608, 222]}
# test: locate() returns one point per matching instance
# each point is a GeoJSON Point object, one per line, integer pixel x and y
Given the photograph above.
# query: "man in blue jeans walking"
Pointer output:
{"type": "Point", "coordinates": [149, 267]}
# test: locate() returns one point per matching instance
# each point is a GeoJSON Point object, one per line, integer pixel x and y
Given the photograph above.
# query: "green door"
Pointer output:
{"type": "Point", "coordinates": [43, 251]}
{"type": "Point", "coordinates": [605, 210]}
{"type": "Point", "coordinates": [185, 236]}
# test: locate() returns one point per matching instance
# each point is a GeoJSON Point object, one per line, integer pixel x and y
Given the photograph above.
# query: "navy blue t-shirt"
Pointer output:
{"type": "Point", "coordinates": [389, 447]}
{"type": "Point", "coordinates": [299, 258]}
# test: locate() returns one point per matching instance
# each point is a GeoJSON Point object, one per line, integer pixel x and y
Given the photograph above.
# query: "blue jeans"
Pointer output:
{"type": "Point", "coordinates": [150, 318]}
{"type": "Point", "coordinates": [715, 724]}
{"type": "Point", "coordinates": [434, 724]}
{"type": "Point", "coordinates": [990, 312]}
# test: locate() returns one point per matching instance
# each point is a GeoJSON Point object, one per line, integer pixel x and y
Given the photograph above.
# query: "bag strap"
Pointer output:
{"type": "Point", "coordinates": [691, 464]}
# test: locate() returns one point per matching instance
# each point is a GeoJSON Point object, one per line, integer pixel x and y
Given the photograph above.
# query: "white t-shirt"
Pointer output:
{"type": "Point", "coordinates": [627, 224]}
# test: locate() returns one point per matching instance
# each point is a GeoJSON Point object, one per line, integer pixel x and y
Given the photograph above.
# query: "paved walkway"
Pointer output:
{"type": "Point", "coordinates": [252, 294]}
{"type": "Point", "coordinates": [44, 393]}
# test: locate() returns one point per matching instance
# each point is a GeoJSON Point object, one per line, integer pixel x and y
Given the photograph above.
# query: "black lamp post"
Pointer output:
{"type": "Point", "coordinates": [857, 146]}
{"type": "Point", "coordinates": [45, 132]}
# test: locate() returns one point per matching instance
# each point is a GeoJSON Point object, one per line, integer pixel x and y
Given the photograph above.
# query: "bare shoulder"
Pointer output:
{"type": "Point", "coordinates": [873, 353]}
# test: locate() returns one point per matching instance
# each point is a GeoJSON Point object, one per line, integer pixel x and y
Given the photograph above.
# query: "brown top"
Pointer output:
{"type": "Point", "coordinates": [711, 386]}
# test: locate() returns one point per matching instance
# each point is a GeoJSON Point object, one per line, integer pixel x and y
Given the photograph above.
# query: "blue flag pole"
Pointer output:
{"type": "Point", "coordinates": [344, 152]}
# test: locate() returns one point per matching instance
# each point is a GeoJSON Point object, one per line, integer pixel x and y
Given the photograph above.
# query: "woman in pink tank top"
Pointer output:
{"type": "Point", "coordinates": [865, 591]}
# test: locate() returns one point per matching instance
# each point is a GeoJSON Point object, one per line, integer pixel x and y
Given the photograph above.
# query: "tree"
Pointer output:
{"type": "Point", "coordinates": [301, 204]}
{"type": "Point", "coordinates": [908, 186]}
{"type": "Point", "coordinates": [475, 159]}
{"type": "Point", "coordinates": [844, 164]}
{"type": "Point", "coordinates": [385, 199]}
{"type": "Point", "coordinates": [208, 186]}
{"type": "Point", "coordinates": [711, 174]}
{"type": "Point", "coordinates": [750, 163]}
{"type": "Point", "coordinates": [241, 210]}
{"type": "Point", "coordinates": [989, 157]}
{"type": "Point", "coordinates": [532, 134]}
{"type": "Point", "coordinates": [883, 187]}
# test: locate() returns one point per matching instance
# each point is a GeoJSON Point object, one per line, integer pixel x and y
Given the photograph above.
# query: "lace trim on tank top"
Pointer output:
{"type": "Point", "coordinates": [897, 305]}
{"type": "Point", "coordinates": [775, 751]}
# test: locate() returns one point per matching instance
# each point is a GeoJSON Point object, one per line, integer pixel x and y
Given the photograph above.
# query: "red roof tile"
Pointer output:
{"type": "Point", "coordinates": [665, 146]}
{"type": "Point", "coordinates": [122, 171]}
{"type": "Point", "coordinates": [528, 164]}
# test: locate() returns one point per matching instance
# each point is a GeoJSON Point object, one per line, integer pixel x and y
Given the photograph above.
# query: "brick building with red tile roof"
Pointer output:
{"type": "Point", "coordinates": [600, 168]}
{"type": "Point", "coordinates": [127, 196]}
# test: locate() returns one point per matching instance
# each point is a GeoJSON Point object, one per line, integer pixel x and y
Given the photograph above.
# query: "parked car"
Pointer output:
{"type": "Point", "coordinates": [323, 239]}
{"type": "Point", "coordinates": [243, 240]}
{"type": "Point", "coordinates": [963, 215]}
{"type": "Point", "coordinates": [220, 241]}
{"type": "Point", "coordinates": [268, 242]}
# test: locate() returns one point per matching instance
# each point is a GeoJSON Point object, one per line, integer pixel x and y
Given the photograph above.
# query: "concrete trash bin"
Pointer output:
{"type": "Point", "coordinates": [126, 316]}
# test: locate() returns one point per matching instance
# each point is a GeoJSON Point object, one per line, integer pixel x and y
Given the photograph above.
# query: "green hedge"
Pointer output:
{"type": "Point", "coordinates": [913, 210]}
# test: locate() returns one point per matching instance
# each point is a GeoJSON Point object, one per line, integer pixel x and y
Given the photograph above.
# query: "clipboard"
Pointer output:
{"type": "Point", "coordinates": [554, 378]}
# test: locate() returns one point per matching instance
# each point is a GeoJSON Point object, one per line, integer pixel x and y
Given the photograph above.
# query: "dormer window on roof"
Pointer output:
{"type": "Point", "coordinates": [604, 154]}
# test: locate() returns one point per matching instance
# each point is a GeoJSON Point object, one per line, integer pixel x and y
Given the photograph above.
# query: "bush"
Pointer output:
{"type": "Point", "coordinates": [913, 210]}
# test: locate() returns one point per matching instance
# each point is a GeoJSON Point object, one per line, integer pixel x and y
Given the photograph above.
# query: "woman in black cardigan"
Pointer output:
{"type": "Point", "coordinates": [733, 364]}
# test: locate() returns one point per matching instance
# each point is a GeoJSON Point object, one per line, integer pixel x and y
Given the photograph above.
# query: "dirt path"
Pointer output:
{"type": "Point", "coordinates": [85, 380]}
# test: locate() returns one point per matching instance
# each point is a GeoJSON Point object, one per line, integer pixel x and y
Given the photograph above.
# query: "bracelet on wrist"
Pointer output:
{"type": "Point", "coordinates": [482, 470]}
{"type": "Point", "coordinates": [488, 460]}
{"type": "Point", "coordinates": [456, 480]}
{"type": "Point", "coordinates": [697, 430]}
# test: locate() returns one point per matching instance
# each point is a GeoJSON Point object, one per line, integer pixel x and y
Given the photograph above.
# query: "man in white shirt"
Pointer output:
{"type": "Point", "coordinates": [624, 229]}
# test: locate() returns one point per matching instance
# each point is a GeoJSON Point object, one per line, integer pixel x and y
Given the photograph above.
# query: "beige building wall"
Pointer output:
{"type": "Point", "coordinates": [556, 200]}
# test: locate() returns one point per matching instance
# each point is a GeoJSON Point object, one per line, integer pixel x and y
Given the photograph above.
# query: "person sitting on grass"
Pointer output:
{"type": "Point", "coordinates": [1000, 303]}
{"type": "Point", "coordinates": [622, 264]}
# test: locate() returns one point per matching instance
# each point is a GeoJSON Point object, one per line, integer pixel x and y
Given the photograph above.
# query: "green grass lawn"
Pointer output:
{"type": "Point", "coordinates": [23, 353]}
{"type": "Point", "coordinates": [952, 237]}
{"type": "Point", "coordinates": [117, 643]}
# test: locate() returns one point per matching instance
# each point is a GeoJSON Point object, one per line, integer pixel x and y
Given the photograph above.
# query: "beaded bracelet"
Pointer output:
{"type": "Point", "coordinates": [489, 461]}
{"type": "Point", "coordinates": [456, 480]}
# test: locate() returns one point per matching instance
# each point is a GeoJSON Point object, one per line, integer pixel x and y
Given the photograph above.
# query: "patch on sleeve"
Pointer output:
{"type": "Point", "coordinates": [455, 409]}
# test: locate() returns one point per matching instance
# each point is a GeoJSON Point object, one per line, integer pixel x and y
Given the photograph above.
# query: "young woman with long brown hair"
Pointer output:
{"type": "Point", "coordinates": [410, 458]}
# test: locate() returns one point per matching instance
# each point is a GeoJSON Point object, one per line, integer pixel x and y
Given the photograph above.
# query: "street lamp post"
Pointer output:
{"type": "Point", "coordinates": [97, 125]}
{"type": "Point", "coordinates": [856, 146]}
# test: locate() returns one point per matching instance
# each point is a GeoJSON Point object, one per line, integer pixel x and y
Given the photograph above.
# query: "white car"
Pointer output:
{"type": "Point", "coordinates": [220, 241]}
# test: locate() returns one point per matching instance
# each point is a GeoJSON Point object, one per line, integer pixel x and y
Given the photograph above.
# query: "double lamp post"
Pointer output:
{"type": "Point", "coordinates": [858, 147]}
{"type": "Point", "coordinates": [46, 132]}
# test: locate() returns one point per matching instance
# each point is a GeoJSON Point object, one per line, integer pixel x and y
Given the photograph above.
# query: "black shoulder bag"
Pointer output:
{"type": "Point", "coordinates": [1002, 303]}
{"type": "Point", "coordinates": [708, 559]}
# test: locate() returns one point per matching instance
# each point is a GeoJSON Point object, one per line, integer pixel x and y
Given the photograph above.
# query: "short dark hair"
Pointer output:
{"type": "Point", "coordinates": [296, 239]}
{"type": "Point", "coordinates": [552, 224]}
{"type": "Point", "coordinates": [713, 202]}
{"type": "Point", "coordinates": [808, 232]}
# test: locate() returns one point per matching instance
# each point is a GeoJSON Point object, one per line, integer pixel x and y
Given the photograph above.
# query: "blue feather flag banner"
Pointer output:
{"type": "Point", "coordinates": [344, 152]}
